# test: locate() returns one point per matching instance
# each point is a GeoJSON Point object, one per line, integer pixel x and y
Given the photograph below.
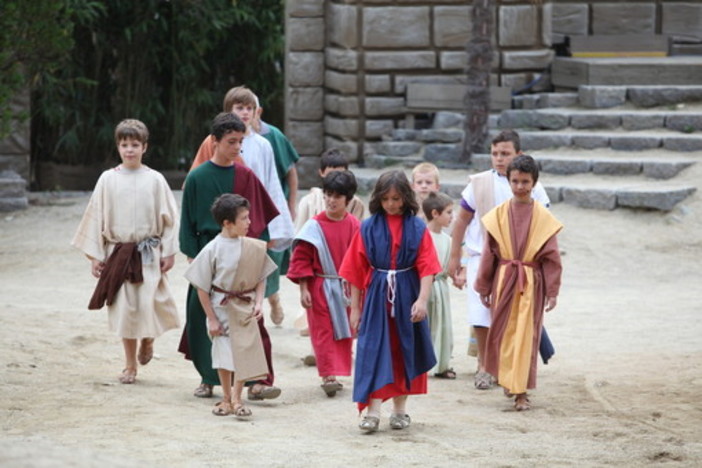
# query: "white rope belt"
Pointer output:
{"type": "Point", "coordinates": [392, 283]}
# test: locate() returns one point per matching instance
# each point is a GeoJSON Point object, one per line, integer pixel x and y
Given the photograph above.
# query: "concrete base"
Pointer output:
{"type": "Point", "coordinates": [569, 72]}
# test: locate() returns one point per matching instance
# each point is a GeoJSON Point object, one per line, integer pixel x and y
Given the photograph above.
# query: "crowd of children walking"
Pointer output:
{"type": "Point", "coordinates": [379, 282]}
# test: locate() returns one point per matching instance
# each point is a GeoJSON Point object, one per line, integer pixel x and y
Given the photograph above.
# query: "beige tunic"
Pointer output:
{"type": "Point", "coordinates": [217, 264]}
{"type": "Point", "coordinates": [130, 206]}
{"type": "Point", "coordinates": [313, 203]}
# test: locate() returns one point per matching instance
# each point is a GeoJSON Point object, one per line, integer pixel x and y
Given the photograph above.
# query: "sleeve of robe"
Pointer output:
{"type": "Point", "coordinates": [168, 213]}
{"type": "Point", "coordinates": [204, 153]}
{"type": "Point", "coordinates": [88, 238]}
{"type": "Point", "coordinates": [550, 258]}
{"type": "Point", "coordinates": [188, 220]}
{"type": "Point", "coordinates": [250, 187]}
{"type": "Point", "coordinates": [355, 268]}
{"type": "Point", "coordinates": [489, 260]}
{"type": "Point", "coordinates": [302, 262]}
{"type": "Point", "coordinates": [201, 270]}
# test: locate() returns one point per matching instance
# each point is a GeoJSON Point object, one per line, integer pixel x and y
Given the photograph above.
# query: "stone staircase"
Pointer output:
{"type": "Point", "coordinates": [601, 147]}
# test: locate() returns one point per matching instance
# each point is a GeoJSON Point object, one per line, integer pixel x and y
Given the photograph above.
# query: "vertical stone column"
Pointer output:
{"type": "Point", "coordinates": [304, 83]}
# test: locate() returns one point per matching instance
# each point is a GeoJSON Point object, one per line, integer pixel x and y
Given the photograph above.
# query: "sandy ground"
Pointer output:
{"type": "Point", "coordinates": [623, 389]}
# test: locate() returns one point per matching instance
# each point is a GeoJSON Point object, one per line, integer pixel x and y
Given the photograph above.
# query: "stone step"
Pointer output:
{"type": "Point", "coordinates": [682, 121]}
{"type": "Point", "coordinates": [591, 191]}
{"type": "Point", "coordinates": [13, 191]}
{"type": "Point", "coordinates": [601, 97]}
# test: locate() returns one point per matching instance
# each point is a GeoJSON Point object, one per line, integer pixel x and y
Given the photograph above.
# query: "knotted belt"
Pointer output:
{"type": "Point", "coordinates": [521, 272]}
{"type": "Point", "coordinates": [241, 295]}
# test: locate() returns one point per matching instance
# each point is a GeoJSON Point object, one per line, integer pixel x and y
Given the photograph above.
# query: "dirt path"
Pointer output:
{"type": "Point", "coordinates": [623, 389]}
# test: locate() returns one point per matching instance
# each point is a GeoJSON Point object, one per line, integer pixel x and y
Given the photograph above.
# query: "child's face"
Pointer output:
{"type": "Point", "coordinates": [522, 184]}
{"type": "Point", "coordinates": [229, 147]}
{"type": "Point", "coordinates": [131, 151]}
{"type": "Point", "coordinates": [246, 112]}
{"type": "Point", "coordinates": [240, 226]}
{"type": "Point", "coordinates": [424, 183]}
{"type": "Point", "coordinates": [502, 155]}
{"type": "Point", "coordinates": [444, 218]}
{"type": "Point", "coordinates": [335, 205]}
{"type": "Point", "coordinates": [329, 169]}
{"type": "Point", "coordinates": [392, 202]}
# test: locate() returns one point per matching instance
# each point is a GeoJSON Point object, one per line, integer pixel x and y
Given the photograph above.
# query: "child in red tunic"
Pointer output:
{"type": "Point", "coordinates": [319, 248]}
{"type": "Point", "coordinates": [392, 262]}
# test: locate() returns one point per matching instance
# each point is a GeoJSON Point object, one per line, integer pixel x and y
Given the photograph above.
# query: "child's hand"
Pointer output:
{"type": "Point", "coordinates": [459, 280]}
{"type": "Point", "coordinates": [306, 299]}
{"type": "Point", "coordinates": [355, 319]}
{"type": "Point", "coordinates": [486, 301]}
{"type": "Point", "coordinates": [96, 267]}
{"type": "Point", "coordinates": [214, 327]}
{"type": "Point", "coordinates": [550, 303]}
{"type": "Point", "coordinates": [419, 311]}
{"type": "Point", "coordinates": [257, 311]}
{"type": "Point", "coordinates": [167, 263]}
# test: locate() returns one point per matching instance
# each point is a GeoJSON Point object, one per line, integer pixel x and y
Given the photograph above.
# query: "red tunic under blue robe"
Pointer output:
{"type": "Point", "coordinates": [393, 354]}
{"type": "Point", "coordinates": [333, 356]}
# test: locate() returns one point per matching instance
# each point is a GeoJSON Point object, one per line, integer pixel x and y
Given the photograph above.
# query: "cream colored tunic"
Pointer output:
{"type": "Point", "coordinates": [130, 206]}
{"type": "Point", "coordinates": [313, 203]}
{"type": "Point", "coordinates": [217, 264]}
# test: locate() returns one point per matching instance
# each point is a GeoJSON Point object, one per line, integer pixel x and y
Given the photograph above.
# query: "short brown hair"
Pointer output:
{"type": "Point", "coordinates": [508, 136]}
{"type": "Point", "coordinates": [239, 95]}
{"type": "Point", "coordinates": [227, 207]}
{"type": "Point", "coordinates": [435, 201]}
{"type": "Point", "coordinates": [131, 129]}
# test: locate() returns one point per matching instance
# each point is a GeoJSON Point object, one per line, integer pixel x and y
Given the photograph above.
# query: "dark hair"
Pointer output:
{"type": "Point", "coordinates": [333, 157]}
{"type": "Point", "coordinates": [398, 180]}
{"type": "Point", "coordinates": [524, 163]}
{"type": "Point", "coordinates": [507, 136]}
{"type": "Point", "coordinates": [340, 182]}
{"type": "Point", "coordinates": [227, 207]}
{"type": "Point", "coordinates": [226, 122]}
{"type": "Point", "coordinates": [435, 201]}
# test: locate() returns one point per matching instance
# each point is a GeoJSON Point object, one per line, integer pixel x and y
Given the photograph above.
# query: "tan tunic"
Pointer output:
{"type": "Point", "coordinates": [130, 206]}
{"type": "Point", "coordinates": [217, 264]}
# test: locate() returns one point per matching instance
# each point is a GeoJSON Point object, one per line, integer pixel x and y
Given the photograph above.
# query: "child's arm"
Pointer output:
{"type": "Point", "coordinates": [458, 232]}
{"type": "Point", "coordinates": [460, 280]}
{"type": "Point", "coordinates": [213, 325]}
{"type": "Point", "coordinates": [291, 178]}
{"type": "Point", "coordinates": [258, 303]}
{"type": "Point", "coordinates": [419, 308]}
{"type": "Point", "coordinates": [305, 296]}
{"type": "Point", "coordinates": [96, 267]}
{"type": "Point", "coordinates": [550, 303]}
{"type": "Point", "coordinates": [167, 263]}
{"type": "Point", "coordinates": [355, 318]}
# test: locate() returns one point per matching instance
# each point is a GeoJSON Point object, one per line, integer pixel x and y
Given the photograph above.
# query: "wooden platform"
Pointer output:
{"type": "Point", "coordinates": [571, 72]}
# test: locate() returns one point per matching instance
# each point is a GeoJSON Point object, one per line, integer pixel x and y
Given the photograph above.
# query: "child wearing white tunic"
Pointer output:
{"type": "Point", "coordinates": [133, 215]}
{"type": "Point", "coordinates": [231, 298]}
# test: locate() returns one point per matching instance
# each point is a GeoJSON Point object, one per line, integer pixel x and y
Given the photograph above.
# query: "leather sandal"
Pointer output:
{"type": "Point", "coordinates": [369, 424]}
{"type": "Point", "coordinates": [400, 421]}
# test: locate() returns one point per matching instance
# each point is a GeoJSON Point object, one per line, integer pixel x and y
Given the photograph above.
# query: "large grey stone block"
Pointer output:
{"type": "Point", "coordinates": [597, 199]}
{"type": "Point", "coordinates": [526, 101]}
{"type": "Point", "coordinates": [452, 26]}
{"type": "Point", "coordinates": [526, 59]}
{"type": "Point", "coordinates": [663, 199]}
{"type": "Point", "coordinates": [396, 27]}
{"type": "Point", "coordinates": [516, 81]}
{"type": "Point", "coordinates": [601, 96]}
{"type": "Point", "coordinates": [480, 162]}
{"type": "Point", "coordinates": [590, 141]}
{"type": "Point", "coordinates": [532, 141]}
{"type": "Point", "coordinates": [445, 119]}
{"type": "Point", "coordinates": [344, 128]}
{"type": "Point", "coordinates": [650, 96]}
{"type": "Point", "coordinates": [557, 100]}
{"type": "Point", "coordinates": [443, 154]}
{"type": "Point", "coordinates": [306, 137]}
{"type": "Point", "coordinates": [398, 148]}
{"type": "Point", "coordinates": [342, 29]}
{"type": "Point", "coordinates": [348, 147]}
{"type": "Point", "coordinates": [345, 83]}
{"type": "Point", "coordinates": [404, 134]}
{"type": "Point", "coordinates": [347, 106]}
{"type": "Point", "coordinates": [305, 69]}
{"type": "Point", "coordinates": [307, 172]}
{"type": "Point", "coordinates": [305, 8]}
{"type": "Point", "coordinates": [664, 169]}
{"type": "Point", "coordinates": [384, 106]}
{"type": "Point", "coordinates": [453, 60]}
{"type": "Point", "coordinates": [379, 128]}
{"type": "Point", "coordinates": [13, 204]}
{"type": "Point", "coordinates": [616, 167]}
{"type": "Point", "coordinates": [518, 26]}
{"type": "Point", "coordinates": [546, 23]}
{"type": "Point", "coordinates": [12, 185]}
{"type": "Point", "coordinates": [305, 34]}
{"type": "Point", "coordinates": [381, 161]}
{"type": "Point", "coordinates": [683, 143]}
{"type": "Point", "coordinates": [639, 121]}
{"type": "Point", "coordinates": [570, 19]}
{"type": "Point", "coordinates": [585, 121]}
{"type": "Point", "coordinates": [554, 193]}
{"type": "Point", "coordinates": [686, 123]}
{"type": "Point", "coordinates": [341, 59]}
{"type": "Point", "coordinates": [565, 165]}
{"type": "Point", "coordinates": [450, 135]}
{"type": "Point", "coordinates": [682, 20]}
{"type": "Point", "coordinates": [378, 84]}
{"type": "Point", "coordinates": [624, 18]}
{"type": "Point", "coordinates": [551, 120]}
{"type": "Point", "coordinates": [634, 143]}
{"type": "Point", "coordinates": [401, 80]}
{"type": "Point", "coordinates": [518, 118]}
{"type": "Point", "coordinates": [305, 103]}
{"type": "Point", "coordinates": [420, 60]}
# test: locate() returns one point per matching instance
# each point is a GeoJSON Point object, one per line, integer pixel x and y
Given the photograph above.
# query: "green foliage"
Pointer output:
{"type": "Point", "coordinates": [167, 63]}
